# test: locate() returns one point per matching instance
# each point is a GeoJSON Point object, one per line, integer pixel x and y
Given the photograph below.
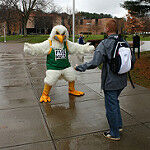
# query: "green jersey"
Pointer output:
{"type": "Point", "coordinates": [57, 59]}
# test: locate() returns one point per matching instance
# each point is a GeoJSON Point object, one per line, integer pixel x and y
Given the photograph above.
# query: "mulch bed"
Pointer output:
{"type": "Point", "coordinates": [141, 72]}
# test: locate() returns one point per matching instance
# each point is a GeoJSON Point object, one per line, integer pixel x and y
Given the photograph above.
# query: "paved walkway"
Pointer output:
{"type": "Point", "coordinates": [144, 46]}
{"type": "Point", "coordinates": [68, 123]}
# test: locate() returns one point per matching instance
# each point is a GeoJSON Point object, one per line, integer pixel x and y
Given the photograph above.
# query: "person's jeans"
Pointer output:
{"type": "Point", "coordinates": [138, 54]}
{"type": "Point", "coordinates": [113, 111]}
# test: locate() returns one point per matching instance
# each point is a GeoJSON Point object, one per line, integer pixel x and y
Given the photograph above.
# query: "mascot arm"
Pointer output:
{"type": "Point", "coordinates": [37, 49]}
{"type": "Point", "coordinates": [78, 48]}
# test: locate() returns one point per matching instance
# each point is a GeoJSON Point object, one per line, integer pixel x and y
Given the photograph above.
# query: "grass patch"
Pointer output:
{"type": "Point", "coordinates": [11, 38]}
{"type": "Point", "coordinates": [28, 38]}
{"type": "Point", "coordinates": [41, 38]}
{"type": "Point", "coordinates": [142, 38]}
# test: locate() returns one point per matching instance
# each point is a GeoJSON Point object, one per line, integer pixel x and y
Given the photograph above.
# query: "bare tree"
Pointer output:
{"type": "Point", "coordinates": [10, 16]}
{"type": "Point", "coordinates": [43, 21]}
{"type": "Point", "coordinates": [68, 17]}
{"type": "Point", "coordinates": [26, 7]}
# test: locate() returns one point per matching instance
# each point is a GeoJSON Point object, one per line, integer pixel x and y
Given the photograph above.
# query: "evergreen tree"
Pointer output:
{"type": "Point", "coordinates": [139, 7]}
{"type": "Point", "coordinates": [88, 15]}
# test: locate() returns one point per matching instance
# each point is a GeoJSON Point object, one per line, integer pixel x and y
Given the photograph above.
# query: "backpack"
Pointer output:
{"type": "Point", "coordinates": [122, 58]}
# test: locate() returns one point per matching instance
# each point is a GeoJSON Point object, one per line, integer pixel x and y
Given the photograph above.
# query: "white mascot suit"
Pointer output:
{"type": "Point", "coordinates": [57, 48]}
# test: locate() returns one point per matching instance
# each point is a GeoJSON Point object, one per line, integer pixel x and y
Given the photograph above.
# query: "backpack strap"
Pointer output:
{"type": "Point", "coordinates": [131, 80]}
{"type": "Point", "coordinates": [115, 47]}
{"type": "Point", "coordinates": [50, 42]}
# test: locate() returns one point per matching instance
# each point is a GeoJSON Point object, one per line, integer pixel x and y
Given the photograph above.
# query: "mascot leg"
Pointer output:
{"type": "Point", "coordinates": [51, 78]}
{"type": "Point", "coordinates": [69, 75]}
{"type": "Point", "coordinates": [72, 90]}
{"type": "Point", "coordinates": [45, 97]}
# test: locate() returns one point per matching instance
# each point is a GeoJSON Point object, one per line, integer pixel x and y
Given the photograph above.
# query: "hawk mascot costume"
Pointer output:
{"type": "Point", "coordinates": [57, 48]}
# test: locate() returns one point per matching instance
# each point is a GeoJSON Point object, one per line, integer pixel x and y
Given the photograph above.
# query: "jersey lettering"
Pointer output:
{"type": "Point", "coordinates": [60, 54]}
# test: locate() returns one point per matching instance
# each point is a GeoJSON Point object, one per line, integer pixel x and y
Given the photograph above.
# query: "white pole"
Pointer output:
{"type": "Point", "coordinates": [73, 22]}
{"type": "Point", "coordinates": [4, 34]}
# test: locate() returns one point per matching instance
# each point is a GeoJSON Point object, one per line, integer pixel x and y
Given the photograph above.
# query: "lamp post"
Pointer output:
{"type": "Point", "coordinates": [73, 22]}
{"type": "Point", "coordinates": [4, 33]}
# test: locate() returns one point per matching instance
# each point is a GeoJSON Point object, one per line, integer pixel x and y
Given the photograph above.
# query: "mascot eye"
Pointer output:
{"type": "Point", "coordinates": [63, 33]}
{"type": "Point", "coordinates": [57, 32]}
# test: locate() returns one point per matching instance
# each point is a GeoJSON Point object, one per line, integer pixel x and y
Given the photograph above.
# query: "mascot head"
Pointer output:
{"type": "Point", "coordinates": [59, 33]}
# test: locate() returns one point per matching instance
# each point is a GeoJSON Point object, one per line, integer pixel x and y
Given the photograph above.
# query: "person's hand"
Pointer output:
{"type": "Point", "coordinates": [79, 68]}
{"type": "Point", "coordinates": [75, 66]}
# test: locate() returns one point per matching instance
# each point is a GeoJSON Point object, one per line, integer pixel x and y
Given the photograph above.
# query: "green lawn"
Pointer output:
{"type": "Point", "coordinates": [40, 38]}
{"type": "Point", "coordinates": [145, 38]}
{"type": "Point", "coordinates": [29, 38]}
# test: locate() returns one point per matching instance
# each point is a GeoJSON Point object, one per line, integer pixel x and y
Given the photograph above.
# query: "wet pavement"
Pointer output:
{"type": "Point", "coordinates": [68, 123]}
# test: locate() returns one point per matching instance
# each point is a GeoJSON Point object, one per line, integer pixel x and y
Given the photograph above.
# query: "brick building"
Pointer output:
{"type": "Point", "coordinates": [85, 26]}
{"type": "Point", "coordinates": [42, 23]}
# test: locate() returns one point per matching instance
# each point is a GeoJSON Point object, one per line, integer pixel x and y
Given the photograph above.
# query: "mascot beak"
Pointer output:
{"type": "Point", "coordinates": [60, 38]}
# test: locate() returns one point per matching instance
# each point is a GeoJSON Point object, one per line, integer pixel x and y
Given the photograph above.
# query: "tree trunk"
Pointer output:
{"type": "Point", "coordinates": [25, 30]}
{"type": "Point", "coordinates": [24, 26]}
{"type": "Point", "coordinates": [8, 29]}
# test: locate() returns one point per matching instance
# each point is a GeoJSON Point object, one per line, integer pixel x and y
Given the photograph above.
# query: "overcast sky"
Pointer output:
{"type": "Point", "coordinates": [98, 6]}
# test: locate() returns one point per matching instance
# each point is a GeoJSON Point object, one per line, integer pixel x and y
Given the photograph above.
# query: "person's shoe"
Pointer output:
{"type": "Point", "coordinates": [120, 129]}
{"type": "Point", "coordinates": [108, 135]}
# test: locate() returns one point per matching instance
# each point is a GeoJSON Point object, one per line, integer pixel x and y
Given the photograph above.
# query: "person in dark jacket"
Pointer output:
{"type": "Point", "coordinates": [81, 41]}
{"type": "Point", "coordinates": [136, 44]}
{"type": "Point", "coordinates": [112, 84]}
